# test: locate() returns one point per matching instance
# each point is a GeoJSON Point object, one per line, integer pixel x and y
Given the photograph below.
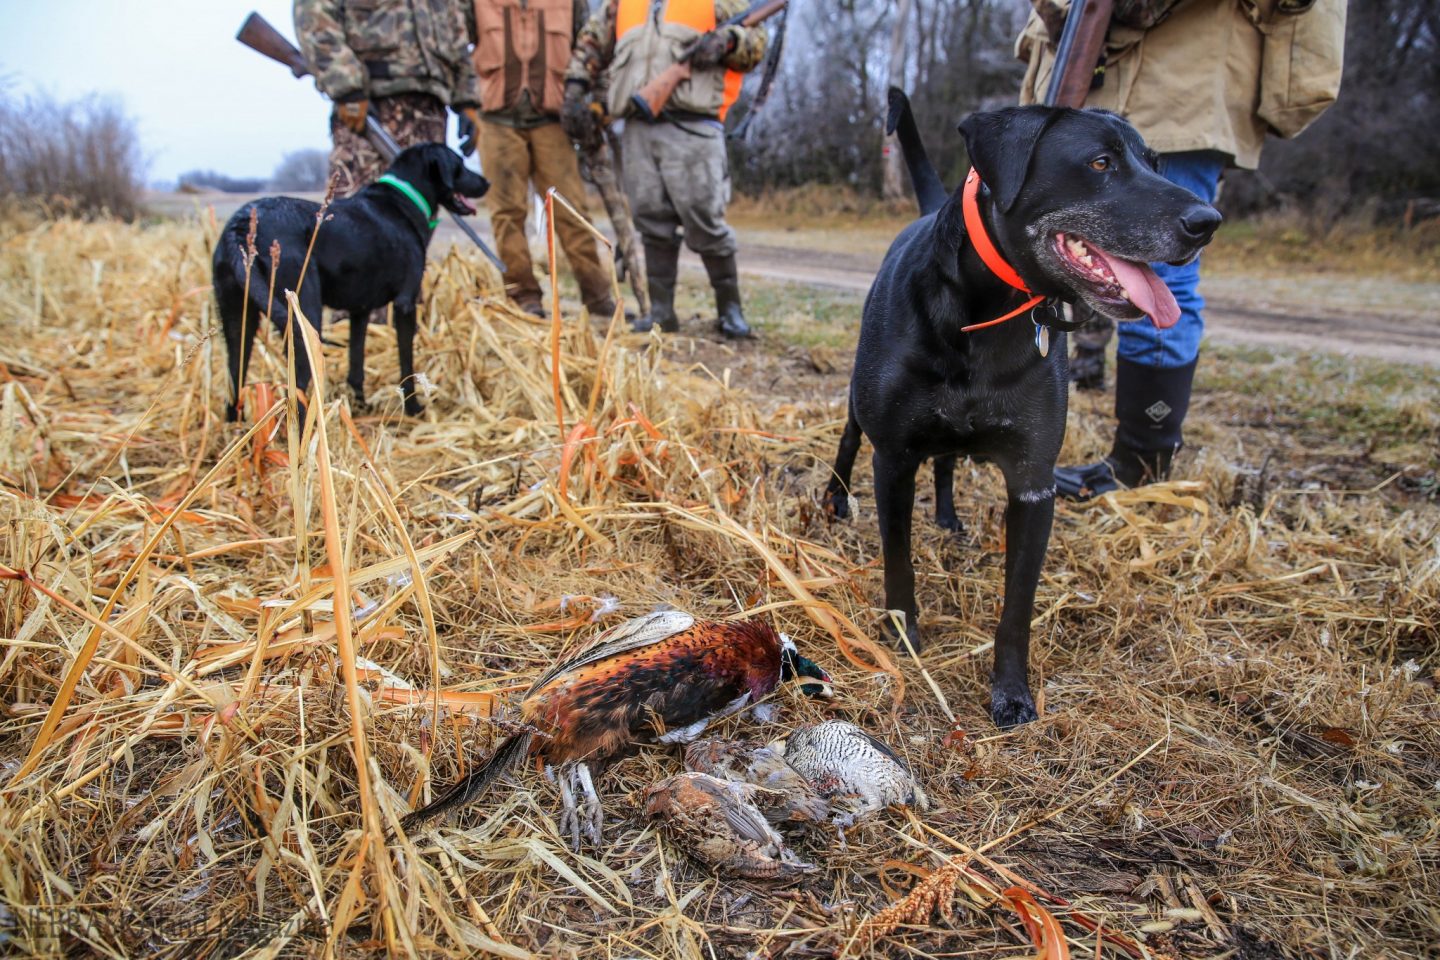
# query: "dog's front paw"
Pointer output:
{"type": "Point", "coordinates": [892, 635]}
{"type": "Point", "coordinates": [1010, 709]}
{"type": "Point", "coordinates": [358, 402]}
{"type": "Point", "coordinates": [948, 521]}
{"type": "Point", "coordinates": [837, 502]}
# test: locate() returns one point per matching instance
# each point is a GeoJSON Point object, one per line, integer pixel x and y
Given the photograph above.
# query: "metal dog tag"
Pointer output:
{"type": "Point", "coordinates": [1042, 339]}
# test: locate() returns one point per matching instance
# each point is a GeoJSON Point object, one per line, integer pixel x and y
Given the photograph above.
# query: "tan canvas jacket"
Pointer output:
{"type": "Point", "coordinates": [1213, 75]}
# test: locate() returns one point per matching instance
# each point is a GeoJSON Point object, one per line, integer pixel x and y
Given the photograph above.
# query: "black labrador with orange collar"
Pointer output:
{"type": "Point", "coordinates": [1072, 201]}
{"type": "Point", "coordinates": [370, 252]}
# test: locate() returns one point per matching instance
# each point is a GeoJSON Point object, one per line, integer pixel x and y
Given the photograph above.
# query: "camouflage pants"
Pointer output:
{"type": "Point", "coordinates": [1096, 332]}
{"type": "Point", "coordinates": [410, 118]}
{"type": "Point", "coordinates": [677, 177]}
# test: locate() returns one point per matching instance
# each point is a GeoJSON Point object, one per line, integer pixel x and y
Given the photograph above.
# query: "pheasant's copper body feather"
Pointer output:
{"type": "Point", "coordinates": [663, 677]}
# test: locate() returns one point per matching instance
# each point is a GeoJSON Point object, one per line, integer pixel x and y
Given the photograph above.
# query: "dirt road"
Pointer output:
{"type": "Point", "coordinates": [1353, 316]}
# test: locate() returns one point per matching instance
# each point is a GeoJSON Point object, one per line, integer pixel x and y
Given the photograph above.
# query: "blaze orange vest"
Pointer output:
{"type": "Point", "coordinates": [650, 36]}
{"type": "Point", "coordinates": [523, 46]}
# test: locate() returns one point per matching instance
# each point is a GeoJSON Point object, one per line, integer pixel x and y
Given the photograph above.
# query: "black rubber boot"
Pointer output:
{"type": "Point", "coordinates": [725, 279]}
{"type": "Point", "coordinates": [662, 261]}
{"type": "Point", "coordinates": [1150, 408]}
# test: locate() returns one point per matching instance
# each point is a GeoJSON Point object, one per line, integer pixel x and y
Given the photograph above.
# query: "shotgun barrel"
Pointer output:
{"type": "Point", "coordinates": [1078, 53]}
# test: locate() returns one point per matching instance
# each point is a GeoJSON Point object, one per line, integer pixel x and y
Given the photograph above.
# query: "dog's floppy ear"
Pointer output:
{"type": "Point", "coordinates": [443, 167]}
{"type": "Point", "coordinates": [1001, 143]}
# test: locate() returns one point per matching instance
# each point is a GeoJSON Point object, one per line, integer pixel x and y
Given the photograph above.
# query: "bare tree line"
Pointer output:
{"type": "Point", "coordinates": [824, 121]}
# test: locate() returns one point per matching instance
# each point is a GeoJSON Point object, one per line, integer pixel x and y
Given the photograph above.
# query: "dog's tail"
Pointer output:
{"type": "Point", "coordinates": [230, 255]}
{"type": "Point", "coordinates": [901, 122]}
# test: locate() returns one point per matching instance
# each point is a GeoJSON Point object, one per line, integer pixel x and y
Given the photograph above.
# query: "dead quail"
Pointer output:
{"type": "Point", "coordinates": [716, 822]}
{"type": "Point", "coordinates": [844, 762]}
{"type": "Point", "coordinates": [787, 797]}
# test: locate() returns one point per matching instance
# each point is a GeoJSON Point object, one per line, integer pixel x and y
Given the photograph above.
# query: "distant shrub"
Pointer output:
{"type": "Point", "coordinates": [302, 170]}
{"type": "Point", "coordinates": [199, 181]}
{"type": "Point", "coordinates": [77, 157]}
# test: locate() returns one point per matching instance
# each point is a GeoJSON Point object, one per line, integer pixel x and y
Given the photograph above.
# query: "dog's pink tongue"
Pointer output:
{"type": "Point", "coordinates": [1146, 290]}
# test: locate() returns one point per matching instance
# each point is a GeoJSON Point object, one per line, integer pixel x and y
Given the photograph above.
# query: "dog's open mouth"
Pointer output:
{"type": "Point", "coordinates": [462, 205]}
{"type": "Point", "coordinates": [1117, 280]}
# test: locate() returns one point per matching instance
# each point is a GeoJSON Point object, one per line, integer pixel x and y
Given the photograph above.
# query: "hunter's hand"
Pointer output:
{"type": "Point", "coordinates": [579, 121]}
{"type": "Point", "coordinates": [352, 113]}
{"type": "Point", "coordinates": [711, 49]}
{"type": "Point", "coordinates": [467, 128]}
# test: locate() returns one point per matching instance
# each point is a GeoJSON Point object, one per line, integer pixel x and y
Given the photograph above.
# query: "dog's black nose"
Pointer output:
{"type": "Point", "coordinates": [1200, 222]}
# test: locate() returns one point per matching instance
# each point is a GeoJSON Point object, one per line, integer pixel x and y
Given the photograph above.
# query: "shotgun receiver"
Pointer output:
{"type": "Point", "coordinates": [257, 34]}
{"type": "Point", "coordinates": [650, 99]}
{"type": "Point", "coordinates": [1077, 56]}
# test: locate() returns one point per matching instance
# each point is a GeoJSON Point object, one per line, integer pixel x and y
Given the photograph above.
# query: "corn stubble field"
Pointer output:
{"type": "Point", "coordinates": [207, 751]}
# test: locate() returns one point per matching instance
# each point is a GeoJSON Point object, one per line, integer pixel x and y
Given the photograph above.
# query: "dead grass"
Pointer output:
{"type": "Point", "coordinates": [1353, 246]}
{"type": "Point", "coordinates": [819, 205]}
{"type": "Point", "coordinates": [1238, 755]}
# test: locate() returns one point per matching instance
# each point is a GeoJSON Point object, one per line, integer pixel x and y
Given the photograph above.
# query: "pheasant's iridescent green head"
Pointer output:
{"type": "Point", "coordinates": [792, 665]}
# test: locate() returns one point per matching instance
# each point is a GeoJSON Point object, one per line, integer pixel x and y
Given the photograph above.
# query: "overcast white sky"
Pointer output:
{"type": "Point", "coordinates": [200, 98]}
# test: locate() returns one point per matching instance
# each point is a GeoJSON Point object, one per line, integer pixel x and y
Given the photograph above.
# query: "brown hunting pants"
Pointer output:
{"type": "Point", "coordinates": [513, 158]}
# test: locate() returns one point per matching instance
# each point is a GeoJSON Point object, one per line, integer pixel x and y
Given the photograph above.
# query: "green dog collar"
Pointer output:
{"type": "Point", "coordinates": [393, 181]}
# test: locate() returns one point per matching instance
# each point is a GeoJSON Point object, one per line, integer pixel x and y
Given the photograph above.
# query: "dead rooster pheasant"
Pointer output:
{"type": "Point", "coordinates": [660, 678]}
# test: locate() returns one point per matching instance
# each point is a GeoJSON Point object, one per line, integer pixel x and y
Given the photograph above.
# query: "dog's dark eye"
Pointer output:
{"type": "Point", "coordinates": [1100, 164]}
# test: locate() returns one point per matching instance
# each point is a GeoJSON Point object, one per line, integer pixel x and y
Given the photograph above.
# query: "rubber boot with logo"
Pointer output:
{"type": "Point", "coordinates": [1150, 408]}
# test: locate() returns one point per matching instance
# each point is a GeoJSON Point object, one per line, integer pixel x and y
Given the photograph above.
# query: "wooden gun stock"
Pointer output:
{"type": "Point", "coordinates": [650, 99]}
{"type": "Point", "coordinates": [1078, 53]}
{"type": "Point", "coordinates": [257, 34]}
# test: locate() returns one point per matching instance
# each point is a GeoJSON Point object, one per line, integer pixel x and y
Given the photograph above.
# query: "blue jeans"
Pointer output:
{"type": "Point", "coordinates": [1141, 342]}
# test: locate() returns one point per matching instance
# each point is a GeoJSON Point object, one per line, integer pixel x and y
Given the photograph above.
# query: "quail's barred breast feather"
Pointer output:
{"type": "Point", "coordinates": [842, 761]}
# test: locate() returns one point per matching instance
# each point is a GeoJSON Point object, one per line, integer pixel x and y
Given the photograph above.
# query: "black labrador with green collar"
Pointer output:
{"type": "Point", "coordinates": [370, 252]}
{"type": "Point", "coordinates": [1072, 200]}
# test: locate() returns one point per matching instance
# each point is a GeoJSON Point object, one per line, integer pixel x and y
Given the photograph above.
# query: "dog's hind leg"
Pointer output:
{"type": "Point", "coordinates": [355, 376]}
{"type": "Point", "coordinates": [238, 323]}
{"type": "Point", "coordinates": [945, 495]}
{"type": "Point", "coordinates": [405, 338]}
{"type": "Point", "coordinates": [1029, 513]}
{"type": "Point", "coordinates": [837, 492]}
{"type": "Point", "coordinates": [894, 502]}
{"type": "Point", "coordinates": [312, 309]}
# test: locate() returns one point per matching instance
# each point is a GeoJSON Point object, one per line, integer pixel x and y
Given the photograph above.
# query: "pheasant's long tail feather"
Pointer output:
{"type": "Point", "coordinates": [511, 752]}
